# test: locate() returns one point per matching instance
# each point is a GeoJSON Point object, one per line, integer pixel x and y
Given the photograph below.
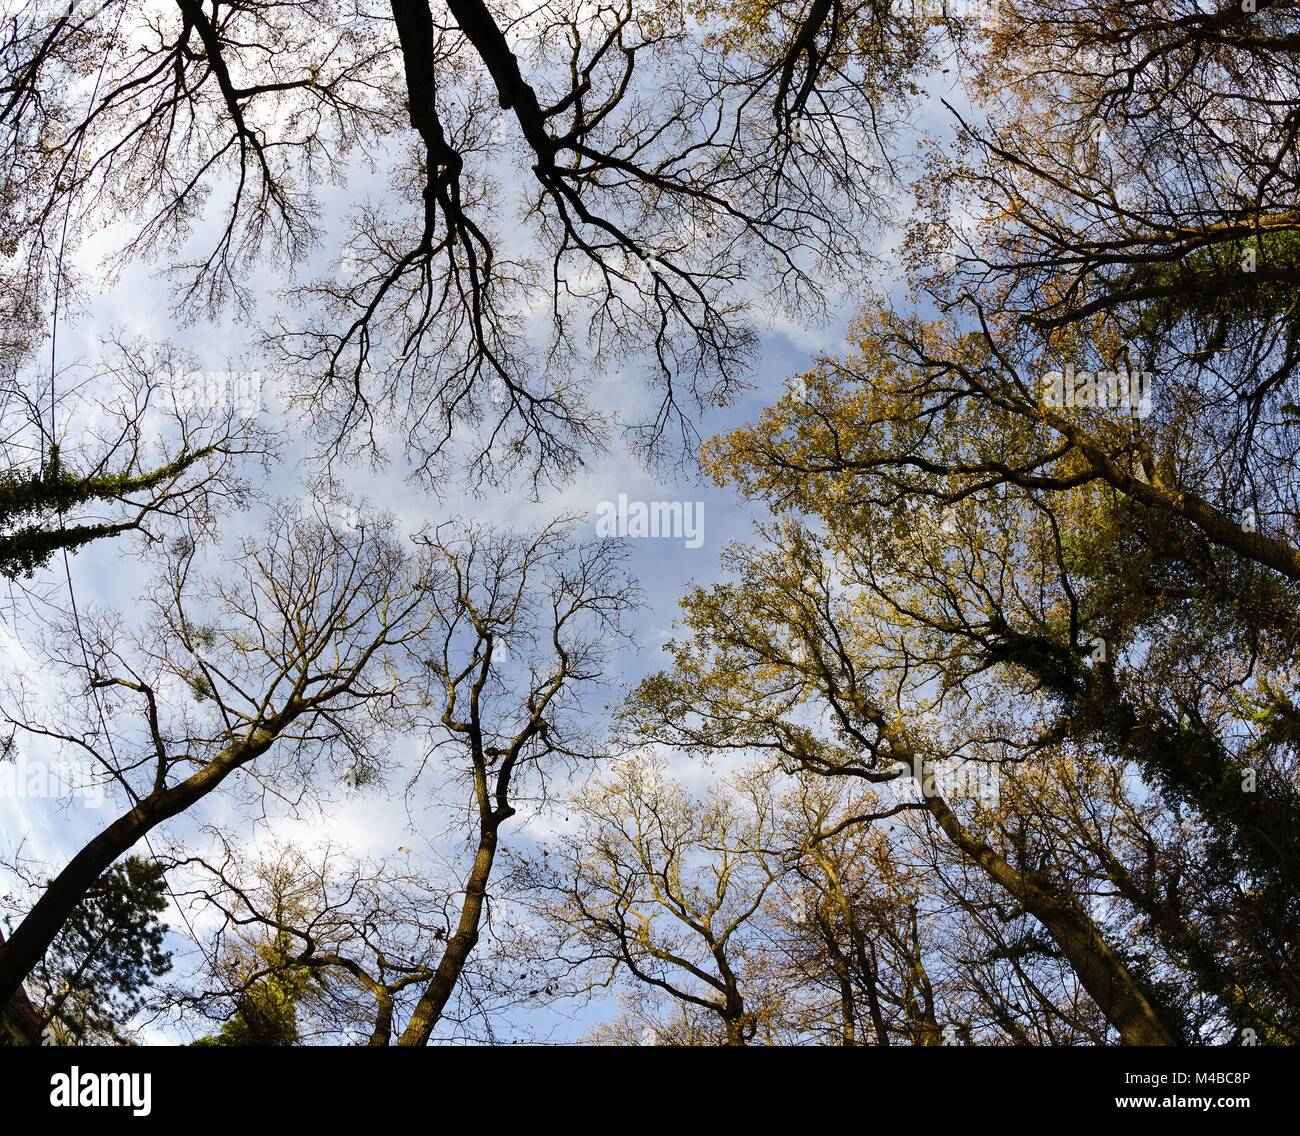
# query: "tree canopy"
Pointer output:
{"type": "Point", "coordinates": [985, 731]}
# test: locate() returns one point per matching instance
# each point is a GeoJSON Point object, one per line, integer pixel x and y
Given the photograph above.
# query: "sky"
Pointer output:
{"type": "Point", "coordinates": [374, 823]}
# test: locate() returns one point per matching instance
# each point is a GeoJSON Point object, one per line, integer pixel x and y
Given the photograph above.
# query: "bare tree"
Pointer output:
{"type": "Point", "coordinates": [525, 623]}
{"type": "Point", "coordinates": [675, 170]}
{"type": "Point", "coordinates": [298, 656]}
{"type": "Point", "coordinates": [666, 888]}
{"type": "Point", "coordinates": [361, 938]}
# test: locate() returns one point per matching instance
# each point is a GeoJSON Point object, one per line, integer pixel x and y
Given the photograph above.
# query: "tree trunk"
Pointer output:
{"type": "Point", "coordinates": [1100, 972]}
{"type": "Point", "coordinates": [735, 1028]}
{"type": "Point", "coordinates": [383, 1031]}
{"type": "Point", "coordinates": [459, 947]}
{"type": "Point", "coordinates": [17, 1018]}
{"type": "Point", "coordinates": [33, 936]}
{"type": "Point", "coordinates": [840, 967]}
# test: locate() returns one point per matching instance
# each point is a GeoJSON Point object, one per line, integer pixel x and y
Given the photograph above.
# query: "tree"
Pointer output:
{"type": "Point", "coordinates": [1149, 636]}
{"type": "Point", "coordinates": [519, 627]}
{"type": "Point", "coordinates": [266, 1006]}
{"type": "Point", "coordinates": [525, 624]}
{"type": "Point", "coordinates": [115, 446]}
{"type": "Point", "coordinates": [669, 157]}
{"type": "Point", "coordinates": [1095, 578]}
{"type": "Point", "coordinates": [1011, 663]}
{"type": "Point", "coordinates": [18, 1022]}
{"type": "Point", "coordinates": [321, 946]}
{"type": "Point", "coordinates": [1155, 186]}
{"type": "Point", "coordinates": [664, 887]}
{"type": "Point", "coordinates": [1138, 212]}
{"type": "Point", "coordinates": [302, 654]}
{"type": "Point", "coordinates": [787, 642]}
{"type": "Point", "coordinates": [855, 926]}
{"type": "Point", "coordinates": [94, 977]}
{"type": "Point", "coordinates": [777, 909]}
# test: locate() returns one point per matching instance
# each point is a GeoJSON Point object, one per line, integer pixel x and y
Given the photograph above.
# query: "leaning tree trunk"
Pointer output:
{"type": "Point", "coordinates": [1102, 974]}
{"type": "Point", "coordinates": [33, 936]}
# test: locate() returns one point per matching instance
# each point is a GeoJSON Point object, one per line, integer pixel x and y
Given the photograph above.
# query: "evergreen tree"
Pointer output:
{"type": "Point", "coordinates": [94, 977]}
